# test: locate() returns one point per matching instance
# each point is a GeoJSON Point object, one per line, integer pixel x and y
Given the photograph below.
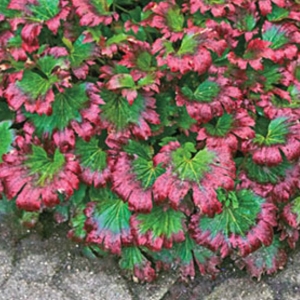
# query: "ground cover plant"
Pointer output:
{"type": "Point", "coordinates": [164, 132]}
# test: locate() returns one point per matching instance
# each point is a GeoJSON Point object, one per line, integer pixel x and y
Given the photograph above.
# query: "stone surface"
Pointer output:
{"type": "Point", "coordinates": [237, 289]}
{"type": "Point", "coordinates": [36, 267]}
{"type": "Point", "coordinates": [156, 290]}
{"type": "Point", "coordinates": [5, 266]}
{"type": "Point", "coordinates": [86, 281]}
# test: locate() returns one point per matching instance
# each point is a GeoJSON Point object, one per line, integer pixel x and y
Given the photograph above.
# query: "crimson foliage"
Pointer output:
{"type": "Point", "coordinates": [165, 132]}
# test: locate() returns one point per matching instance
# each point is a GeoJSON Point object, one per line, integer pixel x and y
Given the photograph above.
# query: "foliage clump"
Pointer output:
{"type": "Point", "coordinates": [164, 132]}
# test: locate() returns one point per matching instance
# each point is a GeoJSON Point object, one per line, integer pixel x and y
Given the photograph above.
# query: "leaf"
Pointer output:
{"type": "Point", "coordinates": [133, 260]}
{"type": "Point", "coordinates": [121, 81]}
{"type": "Point", "coordinates": [278, 13]}
{"type": "Point", "coordinates": [7, 136]}
{"type": "Point", "coordinates": [91, 155]}
{"type": "Point", "coordinates": [239, 214]}
{"type": "Point", "coordinates": [144, 60]}
{"type": "Point", "coordinates": [77, 221]}
{"type": "Point", "coordinates": [159, 228]}
{"type": "Point", "coordinates": [146, 172]}
{"type": "Point", "coordinates": [48, 63]}
{"type": "Point", "coordinates": [274, 134]}
{"type": "Point", "coordinates": [65, 108]}
{"type": "Point", "coordinates": [107, 221]}
{"type": "Point", "coordinates": [118, 111]}
{"type": "Point", "coordinates": [44, 10]}
{"type": "Point", "coordinates": [296, 208]}
{"type": "Point", "coordinates": [175, 19]}
{"type": "Point", "coordinates": [265, 260]}
{"type": "Point", "coordinates": [188, 45]}
{"type": "Point", "coordinates": [266, 174]}
{"type": "Point", "coordinates": [35, 85]}
{"type": "Point", "coordinates": [139, 149]}
{"type": "Point", "coordinates": [183, 119]}
{"type": "Point", "coordinates": [189, 168]}
{"type": "Point", "coordinates": [206, 91]}
{"type": "Point", "coordinates": [116, 39]}
{"type": "Point", "coordinates": [80, 52]}
{"type": "Point", "coordinates": [220, 126]}
{"type": "Point", "coordinates": [7, 208]}
{"type": "Point", "coordinates": [275, 35]}
{"type": "Point", "coordinates": [250, 22]}
{"type": "Point", "coordinates": [189, 252]}
{"type": "Point", "coordinates": [102, 6]}
{"type": "Point", "coordinates": [4, 10]}
{"type": "Point", "coordinates": [29, 219]}
{"type": "Point", "coordinates": [45, 167]}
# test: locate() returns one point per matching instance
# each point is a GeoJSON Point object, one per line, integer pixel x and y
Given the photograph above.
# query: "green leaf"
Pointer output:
{"type": "Point", "coordinates": [183, 119]}
{"type": "Point", "coordinates": [29, 219]}
{"type": "Point", "coordinates": [16, 41]}
{"type": "Point", "coordinates": [275, 35]}
{"type": "Point", "coordinates": [90, 155]}
{"type": "Point", "coordinates": [77, 222]}
{"type": "Point", "coordinates": [6, 137]}
{"type": "Point", "coordinates": [44, 10]}
{"type": "Point", "coordinates": [250, 22]}
{"type": "Point", "coordinates": [221, 126]}
{"type": "Point", "coordinates": [266, 259]}
{"type": "Point", "coordinates": [206, 91]}
{"type": "Point", "coordinates": [132, 257]}
{"type": "Point", "coordinates": [93, 252]}
{"type": "Point", "coordinates": [161, 222]}
{"type": "Point", "coordinates": [139, 149]}
{"type": "Point", "coordinates": [80, 52]}
{"type": "Point", "coordinates": [278, 13]}
{"type": "Point", "coordinates": [148, 79]}
{"type": "Point", "coordinates": [274, 134]}
{"type": "Point", "coordinates": [269, 76]}
{"type": "Point", "coordinates": [146, 172]}
{"type": "Point", "coordinates": [118, 111]}
{"type": "Point", "coordinates": [35, 85]}
{"type": "Point", "coordinates": [296, 208]}
{"type": "Point", "coordinates": [45, 167]}
{"type": "Point", "coordinates": [117, 39]}
{"type": "Point", "coordinates": [191, 168]}
{"type": "Point", "coordinates": [187, 250]}
{"type": "Point", "coordinates": [102, 6]}
{"type": "Point", "coordinates": [175, 19]}
{"type": "Point", "coordinates": [65, 108]}
{"type": "Point", "coordinates": [110, 216]}
{"type": "Point", "coordinates": [239, 214]}
{"type": "Point", "coordinates": [265, 174]}
{"type": "Point", "coordinates": [188, 45]}
{"type": "Point", "coordinates": [48, 63]}
{"type": "Point", "coordinates": [78, 196]}
{"type": "Point", "coordinates": [9, 13]}
{"type": "Point", "coordinates": [144, 61]}
{"type": "Point", "coordinates": [125, 81]}
{"type": "Point", "coordinates": [8, 208]}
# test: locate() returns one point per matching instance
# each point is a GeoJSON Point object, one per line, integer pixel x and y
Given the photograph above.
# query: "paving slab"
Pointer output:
{"type": "Point", "coordinates": [237, 289]}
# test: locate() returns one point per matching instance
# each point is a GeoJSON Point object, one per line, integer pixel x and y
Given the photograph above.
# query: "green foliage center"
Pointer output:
{"type": "Point", "coordinates": [118, 111]}
{"type": "Point", "coordinates": [219, 127]}
{"type": "Point", "coordinates": [240, 210]}
{"type": "Point", "coordinates": [43, 166]}
{"type": "Point", "coordinates": [161, 222]}
{"type": "Point", "coordinates": [192, 168]}
{"type": "Point", "coordinates": [272, 132]}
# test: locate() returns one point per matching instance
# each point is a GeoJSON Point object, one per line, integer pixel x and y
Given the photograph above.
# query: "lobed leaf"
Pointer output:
{"type": "Point", "coordinates": [7, 136]}
{"type": "Point", "coordinates": [107, 221]}
{"type": "Point", "coordinates": [160, 228]}
{"type": "Point", "coordinates": [191, 168]}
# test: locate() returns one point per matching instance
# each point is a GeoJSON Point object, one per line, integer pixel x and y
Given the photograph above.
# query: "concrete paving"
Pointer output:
{"type": "Point", "coordinates": [37, 268]}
